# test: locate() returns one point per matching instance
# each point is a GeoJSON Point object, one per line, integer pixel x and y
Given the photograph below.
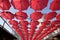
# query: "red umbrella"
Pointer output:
{"type": "Point", "coordinates": [50, 15]}
{"type": "Point", "coordinates": [24, 23]}
{"type": "Point", "coordinates": [15, 27]}
{"type": "Point", "coordinates": [33, 25]}
{"type": "Point", "coordinates": [20, 33]}
{"type": "Point", "coordinates": [21, 15]}
{"type": "Point", "coordinates": [24, 26]}
{"type": "Point", "coordinates": [46, 23]}
{"type": "Point", "coordinates": [38, 4]}
{"type": "Point", "coordinates": [25, 31]}
{"type": "Point", "coordinates": [43, 26]}
{"type": "Point", "coordinates": [39, 31]}
{"type": "Point", "coordinates": [13, 22]}
{"type": "Point", "coordinates": [20, 4]}
{"type": "Point", "coordinates": [55, 5]}
{"type": "Point", "coordinates": [52, 30]}
{"type": "Point", "coordinates": [4, 4]}
{"type": "Point", "coordinates": [55, 22]}
{"type": "Point", "coordinates": [56, 0]}
{"type": "Point", "coordinates": [58, 26]}
{"type": "Point", "coordinates": [58, 16]}
{"type": "Point", "coordinates": [36, 15]}
{"type": "Point", "coordinates": [7, 15]}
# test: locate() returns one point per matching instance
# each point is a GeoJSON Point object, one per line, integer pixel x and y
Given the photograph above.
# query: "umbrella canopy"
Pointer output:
{"type": "Point", "coordinates": [58, 16]}
{"type": "Point", "coordinates": [55, 5]}
{"type": "Point", "coordinates": [20, 4]}
{"type": "Point", "coordinates": [23, 23]}
{"type": "Point", "coordinates": [13, 22]}
{"type": "Point", "coordinates": [5, 5]}
{"type": "Point", "coordinates": [21, 15]}
{"type": "Point", "coordinates": [50, 15]}
{"type": "Point", "coordinates": [36, 15]}
{"type": "Point", "coordinates": [38, 4]}
{"type": "Point", "coordinates": [7, 15]}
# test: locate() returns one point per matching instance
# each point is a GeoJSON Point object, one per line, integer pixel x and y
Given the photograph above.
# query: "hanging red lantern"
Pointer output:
{"type": "Point", "coordinates": [24, 23]}
{"type": "Point", "coordinates": [55, 5]}
{"type": "Point", "coordinates": [58, 16]}
{"type": "Point", "coordinates": [50, 15]}
{"type": "Point", "coordinates": [7, 15]}
{"type": "Point", "coordinates": [13, 22]}
{"type": "Point", "coordinates": [38, 4]}
{"type": "Point", "coordinates": [5, 5]}
{"type": "Point", "coordinates": [21, 15]}
{"type": "Point", "coordinates": [20, 4]}
{"type": "Point", "coordinates": [36, 16]}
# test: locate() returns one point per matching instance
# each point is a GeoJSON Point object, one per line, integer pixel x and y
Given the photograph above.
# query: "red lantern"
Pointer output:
{"type": "Point", "coordinates": [21, 15]}
{"type": "Point", "coordinates": [4, 4]}
{"type": "Point", "coordinates": [13, 22]}
{"type": "Point", "coordinates": [55, 5]}
{"type": "Point", "coordinates": [7, 15]}
{"type": "Point", "coordinates": [36, 15]}
{"type": "Point", "coordinates": [20, 4]}
{"type": "Point", "coordinates": [50, 15]}
{"type": "Point", "coordinates": [58, 16]}
{"type": "Point", "coordinates": [38, 4]}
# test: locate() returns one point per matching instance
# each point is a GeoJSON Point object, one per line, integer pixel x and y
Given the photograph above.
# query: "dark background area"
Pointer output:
{"type": "Point", "coordinates": [4, 35]}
